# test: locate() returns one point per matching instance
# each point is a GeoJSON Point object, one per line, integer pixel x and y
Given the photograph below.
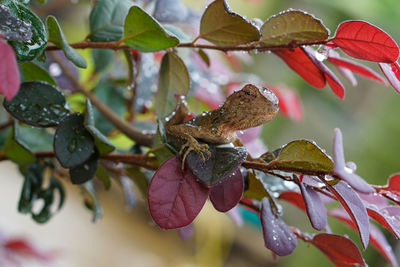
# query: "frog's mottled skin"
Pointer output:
{"type": "Point", "coordinates": [250, 107]}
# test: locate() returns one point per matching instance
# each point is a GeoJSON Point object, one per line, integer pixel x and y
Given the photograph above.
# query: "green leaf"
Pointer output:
{"type": "Point", "coordinates": [142, 32]}
{"type": "Point", "coordinates": [107, 20]}
{"type": "Point", "coordinates": [101, 59]}
{"type": "Point", "coordinates": [103, 145]}
{"type": "Point", "coordinates": [255, 188]}
{"type": "Point", "coordinates": [73, 144]}
{"type": "Point", "coordinates": [302, 155]}
{"type": "Point", "coordinates": [204, 57]}
{"type": "Point", "coordinates": [139, 178]}
{"type": "Point", "coordinates": [222, 163]}
{"type": "Point", "coordinates": [102, 174]}
{"type": "Point", "coordinates": [37, 139]}
{"type": "Point", "coordinates": [15, 150]}
{"type": "Point", "coordinates": [293, 26]}
{"type": "Point", "coordinates": [173, 80]}
{"type": "Point", "coordinates": [84, 172]}
{"type": "Point", "coordinates": [27, 51]}
{"type": "Point", "coordinates": [37, 104]}
{"type": "Point", "coordinates": [92, 201]}
{"type": "Point", "coordinates": [222, 27]}
{"type": "Point", "coordinates": [56, 36]}
{"type": "Point", "coordinates": [32, 72]}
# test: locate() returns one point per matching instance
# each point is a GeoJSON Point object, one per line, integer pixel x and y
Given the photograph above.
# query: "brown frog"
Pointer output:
{"type": "Point", "coordinates": [249, 107]}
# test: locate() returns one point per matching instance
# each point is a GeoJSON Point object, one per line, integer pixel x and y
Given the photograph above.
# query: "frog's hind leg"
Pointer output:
{"type": "Point", "coordinates": [193, 145]}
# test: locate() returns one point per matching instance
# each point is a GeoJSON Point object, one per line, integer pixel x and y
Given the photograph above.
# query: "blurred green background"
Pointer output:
{"type": "Point", "coordinates": [368, 117]}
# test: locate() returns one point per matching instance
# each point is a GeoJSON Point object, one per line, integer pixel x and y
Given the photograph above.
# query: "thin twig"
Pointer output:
{"type": "Point", "coordinates": [132, 132]}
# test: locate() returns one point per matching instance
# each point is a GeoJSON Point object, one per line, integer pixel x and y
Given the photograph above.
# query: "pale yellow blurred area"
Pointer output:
{"type": "Point", "coordinates": [125, 238]}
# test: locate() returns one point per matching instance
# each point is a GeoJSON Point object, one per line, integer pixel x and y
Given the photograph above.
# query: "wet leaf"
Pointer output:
{"type": "Point", "coordinates": [9, 82]}
{"type": "Point", "coordinates": [143, 33]}
{"type": "Point", "coordinates": [379, 241]}
{"type": "Point", "coordinates": [277, 235]}
{"type": "Point", "coordinates": [300, 63]}
{"type": "Point", "coordinates": [302, 155]}
{"type": "Point", "coordinates": [221, 26]}
{"type": "Point", "coordinates": [73, 144]}
{"type": "Point", "coordinates": [315, 208]}
{"type": "Point", "coordinates": [173, 80]}
{"type": "Point", "coordinates": [293, 27]}
{"type": "Point", "coordinates": [92, 201]}
{"type": "Point", "coordinates": [106, 20]}
{"type": "Point", "coordinates": [103, 145]}
{"type": "Point", "coordinates": [84, 172]}
{"type": "Point", "coordinates": [38, 104]}
{"type": "Point", "coordinates": [222, 163]}
{"type": "Point", "coordinates": [33, 72]}
{"type": "Point", "coordinates": [12, 28]}
{"type": "Point", "coordinates": [27, 51]}
{"type": "Point", "coordinates": [352, 203]}
{"type": "Point", "coordinates": [56, 36]}
{"type": "Point", "coordinates": [175, 197]}
{"type": "Point", "coordinates": [225, 195]}
{"type": "Point", "coordinates": [360, 39]}
{"type": "Point", "coordinates": [254, 188]}
{"type": "Point", "coordinates": [392, 73]}
{"type": "Point", "coordinates": [16, 150]}
{"type": "Point", "coordinates": [339, 249]}
{"type": "Point", "coordinates": [388, 217]}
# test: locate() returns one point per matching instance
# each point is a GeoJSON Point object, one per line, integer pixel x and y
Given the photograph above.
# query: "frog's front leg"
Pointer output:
{"type": "Point", "coordinates": [184, 132]}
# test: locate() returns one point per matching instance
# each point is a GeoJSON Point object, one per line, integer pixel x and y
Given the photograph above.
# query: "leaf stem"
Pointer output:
{"type": "Point", "coordinates": [132, 132]}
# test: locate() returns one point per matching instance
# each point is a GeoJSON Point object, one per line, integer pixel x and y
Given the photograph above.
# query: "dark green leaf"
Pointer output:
{"type": "Point", "coordinates": [142, 32]}
{"type": "Point", "coordinates": [173, 80]}
{"type": "Point", "coordinates": [303, 155]}
{"type": "Point", "coordinates": [139, 178]}
{"type": "Point", "coordinates": [84, 172]}
{"type": "Point", "coordinates": [101, 59]}
{"type": "Point", "coordinates": [26, 51]}
{"type": "Point", "coordinates": [37, 139]}
{"type": "Point", "coordinates": [204, 57]}
{"type": "Point", "coordinates": [107, 20]}
{"type": "Point", "coordinates": [222, 163]}
{"type": "Point", "coordinates": [102, 174]}
{"type": "Point", "coordinates": [32, 72]}
{"type": "Point", "coordinates": [57, 37]}
{"type": "Point", "coordinates": [12, 28]}
{"type": "Point", "coordinates": [73, 144]}
{"type": "Point", "coordinates": [293, 26]}
{"type": "Point", "coordinates": [15, 150]}
{"type": "Point", "coordinates": [38, 104]}
{"type": "Point", "coordinates": [222, 27]}
{"type": "Point", "coordinates": [92, 201]}
{"type": "Point", "coordinates": [103, 145]}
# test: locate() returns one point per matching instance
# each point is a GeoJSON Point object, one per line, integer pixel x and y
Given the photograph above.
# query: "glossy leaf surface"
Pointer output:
{"type": "Point", "coordinates": [143, 33]}
{"type": "Point", "coordinates": [315, 208]}
{"type": "Point", "coordinates": [222, 27]}
{"type": "Point", "coordinates": [13, 28]}
{"type": "Point", "coordinates": [37, 104]}
{"type": "Point", "coordinates": [293, 27]}
{"type": "Point", "coordinates": [82, 173]}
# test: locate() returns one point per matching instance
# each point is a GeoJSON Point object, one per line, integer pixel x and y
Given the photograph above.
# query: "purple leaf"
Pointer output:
{"type": "Point", "coordinates": [379, 241]}
{"type": "Point", "coordinates": [392, 73]}
{"type": "Point", "coordinates": [388, 217]}
{"type": "Point", "coordinates": [340, 166]}
{"type": "Point", "coordinates": [315, 208]}
{"type": "Point", "coordinates": [354, 207]}
{"type": "Point", "coordinates": [277, 235]}
{"type": "Point", "coordinates": [9, 74]}
{"type": "Point", "coordinates": [186, 232]}
{"type": "Point", "coordinates": [235, 216]}
{"type": "Point", "coordinates": [225, 195]}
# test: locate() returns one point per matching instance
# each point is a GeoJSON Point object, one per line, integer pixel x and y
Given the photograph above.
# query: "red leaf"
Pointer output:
{"type": "Point", "coordinates": [289, 103]}
{"type": "Point", "coordinates": [175, 197]}
{"type": "Point", "coordinates": [388, 217]}
{"type": "Point", "coordinates": [354, 207]}
{"type": "Point", "coordinates": [394, 183]}
{"type": "Point", "coordinates": [277, 235]}
{"type": "Point", "coordinates": [22, 247]}
{"type": "Point", "coordinates": [299, 62]}
{"type": "Point", "coordinates": [333, 81]}
{"type": "Point", "coordinates": [315, 208]}
{"type": "Point", "coordinates": [357, 68]}
{"type": "Point", "coordinates": [293, 198]}
{"type": "Point", "coordinates": [9, 74]}
{"type": "Point", "coordinates": [362, 40]}
{"type": "Point", "coordinates": [224, 196]}
{"type": "Point", "coordinates": [392, 73]}
{"type": "Point", "coordinates": [339, 249]}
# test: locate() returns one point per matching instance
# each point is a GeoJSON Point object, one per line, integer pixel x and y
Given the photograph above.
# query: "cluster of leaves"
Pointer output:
{"type": "Point", "coordinates": [76, 138]}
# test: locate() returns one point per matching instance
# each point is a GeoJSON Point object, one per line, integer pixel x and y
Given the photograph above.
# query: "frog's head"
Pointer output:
{"type": "Point", "coordinates": [250, 107]}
